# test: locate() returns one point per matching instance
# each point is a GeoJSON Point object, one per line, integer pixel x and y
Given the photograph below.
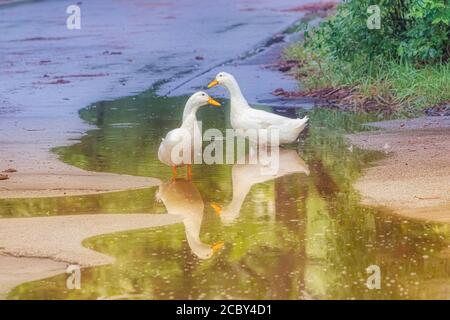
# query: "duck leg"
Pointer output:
{"type": "Point", "coordinates": [174, 173]}
{"type": "Point", "coordinates": [189, 172]}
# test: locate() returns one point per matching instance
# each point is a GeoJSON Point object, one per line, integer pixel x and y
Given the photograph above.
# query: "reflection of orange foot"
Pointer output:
{"type": "Point", "coordinates": [217, 208]}
{"type": "Point", "coordinates": [189, 172]}
{"type": "Point", "coordinates": [174, 173]}
{"type": "Point", "coordinates": [216, 247]}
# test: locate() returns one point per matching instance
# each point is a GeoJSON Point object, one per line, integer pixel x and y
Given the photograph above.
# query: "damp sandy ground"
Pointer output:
{"type": "Point", "coordinates": [14, 271]}
{"type": "Point", "coordinates": [41, 174]}
{"type": "Point", "coordinates": [59, 238]}
{"type": "Point", "coordinates": [50, 72]}
{"type": "Point", "coordinates": [36, 248]}
{"type": "Point", "coordinates": [414, 179]}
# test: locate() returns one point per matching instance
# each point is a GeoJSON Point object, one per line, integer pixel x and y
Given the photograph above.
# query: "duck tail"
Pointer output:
{"type": "Point", "coordinates": [300, 126]}
{"type": "Point", "coordinates": [302, 121]}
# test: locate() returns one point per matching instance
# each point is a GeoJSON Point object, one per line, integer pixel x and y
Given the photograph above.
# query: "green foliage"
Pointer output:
{"type": "Point", "coordinates": [405, 61]}
{"type": "Point", "coordinates": [415, 31]}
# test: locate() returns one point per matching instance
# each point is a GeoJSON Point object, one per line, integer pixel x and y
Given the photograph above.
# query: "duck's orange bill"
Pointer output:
{"type": "Point", "coordinates": [217, 208]}
{"type": "Point", "coordinates": [213, 102]}
{"type": "Point", "coordinates": [217, 246]}
{"type": "Point", "coordinates": [213, 83]}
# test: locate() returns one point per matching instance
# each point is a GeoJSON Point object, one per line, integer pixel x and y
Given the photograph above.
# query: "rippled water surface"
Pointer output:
{"type": "Point", "coordinates": [299, 235]}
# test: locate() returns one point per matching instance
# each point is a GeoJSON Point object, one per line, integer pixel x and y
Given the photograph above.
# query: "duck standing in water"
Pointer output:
{"type": "Point", "coordinates": [244, 117]}
{"type": "Point", "coordinates": [188, 128]}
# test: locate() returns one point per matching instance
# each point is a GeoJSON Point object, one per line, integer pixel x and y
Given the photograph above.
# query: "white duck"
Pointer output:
{"type": "Point", "coordinates": [245, 176]}
{"type": "Point", "coordinates": [244, 117]}
{"type": "Point", "coordinates": [179, 137]}
{"type": "Point", "coordinates": [182, 198]}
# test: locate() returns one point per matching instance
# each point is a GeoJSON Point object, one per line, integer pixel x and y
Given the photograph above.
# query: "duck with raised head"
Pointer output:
{"type": "Point", "coordinates": [189, 128]}
{"type": "Point", "coordinates": [244, 117]}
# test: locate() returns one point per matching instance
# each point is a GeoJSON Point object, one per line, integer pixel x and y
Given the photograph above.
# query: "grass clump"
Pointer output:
{"type": "Point", "coordinates": [403, 66]}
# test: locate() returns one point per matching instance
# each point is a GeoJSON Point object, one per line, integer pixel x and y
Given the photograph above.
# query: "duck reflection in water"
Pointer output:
{"type": "Point", "coordinates": [244, 176]}
{"type": "Point", "coordinates": [182, 198]}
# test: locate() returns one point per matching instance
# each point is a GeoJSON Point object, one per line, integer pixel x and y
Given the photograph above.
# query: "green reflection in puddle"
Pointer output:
{"type": "Point", "coordinates": [134, 201]}
{"type": "Point", "coordinates": [294, 237]}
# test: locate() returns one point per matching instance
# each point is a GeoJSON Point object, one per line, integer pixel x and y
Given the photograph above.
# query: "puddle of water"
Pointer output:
{"type": "Point", "coordinates": [135, 201]}
{"type": "Point", "coordinates": [302, 234]}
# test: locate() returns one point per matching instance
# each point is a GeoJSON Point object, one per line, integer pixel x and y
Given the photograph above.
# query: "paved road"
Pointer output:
{"type": "Point", "coordinates": [123, 47]}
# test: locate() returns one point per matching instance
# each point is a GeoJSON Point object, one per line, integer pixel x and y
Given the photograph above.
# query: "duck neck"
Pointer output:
{"type": "Point", "coordinates": [189, 113]}
{"type": "Point", "coordinates": [240, 190]}
{"type": "Point", "coordinates": [236, 95]}
{"type": "Point", "coordinates": [192, 229]}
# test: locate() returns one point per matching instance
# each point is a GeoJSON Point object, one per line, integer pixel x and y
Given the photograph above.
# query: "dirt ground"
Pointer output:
{"type": "Point", "coordinates": [414, 179]}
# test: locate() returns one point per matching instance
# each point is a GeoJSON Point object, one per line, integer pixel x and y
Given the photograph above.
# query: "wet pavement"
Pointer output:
{"type": "Point", "coordinates": [123, 48]}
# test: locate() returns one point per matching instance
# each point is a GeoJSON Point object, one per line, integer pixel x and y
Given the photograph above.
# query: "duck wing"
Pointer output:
{"type": "Point", "coordinates": [172, 138]}
{"type": "Point", "coordinates": [266, 120]}
{"type": "Point", "coordinates": [175, 136]}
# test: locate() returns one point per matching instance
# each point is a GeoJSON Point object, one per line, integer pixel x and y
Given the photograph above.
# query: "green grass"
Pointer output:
{"type": "Point", "coordinates": [409, 89]}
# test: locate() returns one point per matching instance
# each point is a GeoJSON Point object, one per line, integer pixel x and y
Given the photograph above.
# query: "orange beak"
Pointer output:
{"type": "Point", "coordinates": [217, 246]}
{"type": "Point", "coordinates": [217, 208]}
{"type": "Point", "coordinates": [213, 102]}
{"type": "Point", "coordinates": [213, 83]}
